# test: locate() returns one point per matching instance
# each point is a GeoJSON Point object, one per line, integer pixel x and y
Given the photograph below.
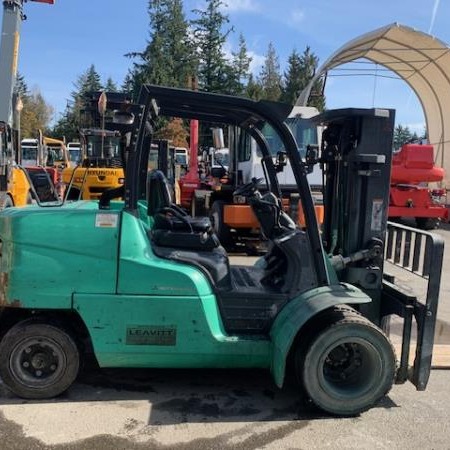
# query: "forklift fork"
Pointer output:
{"type": "Point", "coordinates": [419, 253]}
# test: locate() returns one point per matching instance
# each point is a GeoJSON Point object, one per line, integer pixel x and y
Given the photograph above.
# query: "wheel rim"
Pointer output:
{"type": "Point", "coordinates": [37, 362]}
{"type": "Point", "coordinates": [349, 369]}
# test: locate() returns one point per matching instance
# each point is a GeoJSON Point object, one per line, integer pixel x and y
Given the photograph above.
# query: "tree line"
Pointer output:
{"type": "Point", "coordinates": [179, 51]}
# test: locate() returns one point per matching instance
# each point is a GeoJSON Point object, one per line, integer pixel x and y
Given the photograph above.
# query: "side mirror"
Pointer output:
{"type": "Point", "coordinates": [281, 161]}
{"type": "Point", "coordinates": [311, 157]}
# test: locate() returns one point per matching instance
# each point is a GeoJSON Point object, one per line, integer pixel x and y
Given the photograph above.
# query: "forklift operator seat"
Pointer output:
{"type": "Point", "coordinates": [158, 192]}
{"type": "Point", "coordinates": [173, 227]}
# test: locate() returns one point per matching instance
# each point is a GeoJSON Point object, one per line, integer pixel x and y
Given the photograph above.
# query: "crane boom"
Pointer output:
{"type": "Point", "coordinates": [9, 53]}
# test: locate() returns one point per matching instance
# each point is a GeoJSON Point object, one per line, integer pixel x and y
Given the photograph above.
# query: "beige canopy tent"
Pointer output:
{"type": "Point", "coordinates": [416, 57]}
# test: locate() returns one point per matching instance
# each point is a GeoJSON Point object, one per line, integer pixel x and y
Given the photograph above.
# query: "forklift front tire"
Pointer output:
{"type": "Point", "coordinates": [38, 360]}
{"type": "Point", "coordinates": [348, 367]}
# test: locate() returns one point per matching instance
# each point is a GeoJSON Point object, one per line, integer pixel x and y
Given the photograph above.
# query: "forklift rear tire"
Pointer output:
{"type": "Point", "coordinates": [38, 360]}
{"type": "Point", "coordinates": [349, 366]}
{"type": "Point", "coordinates": [221, 229]}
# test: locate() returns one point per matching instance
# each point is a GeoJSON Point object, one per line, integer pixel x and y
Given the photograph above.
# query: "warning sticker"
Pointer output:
{"type": "Point", "coordinates": [377, 215]}
{"type": "Point", "coordinates": [106, 220]}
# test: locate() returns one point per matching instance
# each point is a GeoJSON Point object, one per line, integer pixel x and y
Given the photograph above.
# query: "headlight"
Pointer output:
{"type": "Point", "coordinates": [121, 180]}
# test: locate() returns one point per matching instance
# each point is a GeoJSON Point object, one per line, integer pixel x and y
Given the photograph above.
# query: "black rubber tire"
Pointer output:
{"type": "Point", "coordinates": [198, 207]}
{"type": "Point", "coordinates": [349, 364]}
{"type": "Point", "coordinates": [73, 194]}
{"type": "Point", "coordinates": [426, 223]}
{"type": "Point", "coordinates": [221, 230]}
{"type": "Point", "coordinates": [38, 360]}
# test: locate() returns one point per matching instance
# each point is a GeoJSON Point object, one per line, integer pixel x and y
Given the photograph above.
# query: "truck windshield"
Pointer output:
{"type": "Point", "coordinates": [180, 158]}
{"type": "Point", "coordinates": [304, 131]}
{"type": "Point", "coordinates": [75, 154]}
{"type": "Point", "coordinates": [57, 152]}
{"type": "Point", "coordinates": [29, 153]}
{"type": "Point", "coordinates": [110, 147]}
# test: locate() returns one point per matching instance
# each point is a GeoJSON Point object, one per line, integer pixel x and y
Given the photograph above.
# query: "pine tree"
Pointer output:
{"type": "Point", "coordinates": [270, 77]}
{"type": "Point", "coordinates": [213, 71]}
{"type": "Point", "coordinates": [309, 63]}
{"type": "Point", "coordinates": [402, 135]}
{"type": "Point", "coordinates": [239, 69]}
{"type": "Point", "coordinates": [89, 81]}
{"type": "Point", "coordinates": [111, 86]}
{"type": "Point", "coordinates": [293, 79]}
{"type": "Point", "coordinates": [254, 89]}
{"type": "Point", "coordinates": [300, 70]}
{"type": "Point", "coordinates": [168, 58]}
{"type": "Point", "coordinates": [69, 122]}
{"type": "Point", "coordinates": [21, 88]}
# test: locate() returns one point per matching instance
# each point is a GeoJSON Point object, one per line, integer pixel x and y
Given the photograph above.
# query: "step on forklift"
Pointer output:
{"type": "Point", "coordinates": [141, 283]}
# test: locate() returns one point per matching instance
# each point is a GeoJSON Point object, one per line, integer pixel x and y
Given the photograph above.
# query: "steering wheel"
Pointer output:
{"type": "Point", "coordinates": [248, 189]}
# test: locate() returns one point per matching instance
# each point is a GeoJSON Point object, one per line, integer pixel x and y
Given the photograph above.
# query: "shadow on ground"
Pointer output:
{"type": "Point", "coordinates": [192, 396]}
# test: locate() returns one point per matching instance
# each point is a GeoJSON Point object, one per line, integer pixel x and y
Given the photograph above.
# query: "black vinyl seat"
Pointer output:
{"type": "Point", "coordinates": [173, 227]}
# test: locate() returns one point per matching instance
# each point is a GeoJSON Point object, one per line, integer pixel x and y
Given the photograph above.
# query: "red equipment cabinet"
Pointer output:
{"type": "Point", "coordinates": [412, 169]}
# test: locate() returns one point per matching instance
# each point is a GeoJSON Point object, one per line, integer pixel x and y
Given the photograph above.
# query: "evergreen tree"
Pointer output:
{"type": "Point", "coordinates": [111, 86]}
{"type": "Point", "coordinates": [214, 70]}
{"type": "Point", "coordinates": [89, 81]}
{"type": "Point", "coordinates": [69, 122]}
{"type": "Point", "coordinates": [239, 69]}
{"type": "Point", "coordinates": [21, 88]}
{"type": "Point", "coordinates": [300, 70]}
{"type": "Point", "coordinates": [67, 125]}
{"type": "Point", "coordinates": [402, 135]}
{"type": "Point", "coordinates": [168, 58]}
{"type": "Point", "coordinates": [254, 89]}
{"type": "Point", "coordinates": [309, 63]}
{"type": "Point", "coordinates": [293, 79]}
{"type": "Point", "coordinates": [270, 78]}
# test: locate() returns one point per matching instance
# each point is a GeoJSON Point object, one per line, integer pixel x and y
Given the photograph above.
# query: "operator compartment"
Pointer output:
{"type": "Point", "coordinates": [249, 298]}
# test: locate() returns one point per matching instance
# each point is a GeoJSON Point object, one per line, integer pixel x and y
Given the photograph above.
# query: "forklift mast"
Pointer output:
{"type": "Point", "coordinates": [356, 156]}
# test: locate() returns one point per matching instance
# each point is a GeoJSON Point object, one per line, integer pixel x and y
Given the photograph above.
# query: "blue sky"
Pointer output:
{"type": "Point", "coordinates": [60, 42]}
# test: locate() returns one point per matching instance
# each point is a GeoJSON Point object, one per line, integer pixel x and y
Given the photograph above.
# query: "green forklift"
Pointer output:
{"type": "Point", "coordinates": [141, 284]}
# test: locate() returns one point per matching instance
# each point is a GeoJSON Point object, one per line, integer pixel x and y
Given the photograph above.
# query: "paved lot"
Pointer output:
{"type": "Point", "coordinates": [217, 410]}
{"type": "Point", "coordinates": [160, 409]}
